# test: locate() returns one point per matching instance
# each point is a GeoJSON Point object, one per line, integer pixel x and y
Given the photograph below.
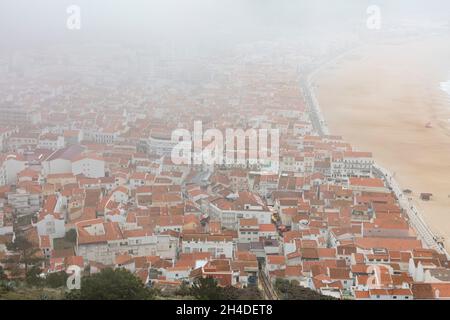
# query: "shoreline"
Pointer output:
{"type": "Point", "coordinates": [419, 216]}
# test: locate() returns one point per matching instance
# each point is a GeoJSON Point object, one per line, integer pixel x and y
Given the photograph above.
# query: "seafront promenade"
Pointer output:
{"type": "Point", "coordinates": [415, 218]}
{"type": "Point", "coordinates": [306, 83]}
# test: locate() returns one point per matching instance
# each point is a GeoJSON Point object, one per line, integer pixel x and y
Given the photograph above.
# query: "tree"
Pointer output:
{"type": "Point", "coordinates": [26, 250]}
{"type": "Point", "coordinates": [32, 277]}
{"type": "Point", "coordinates": [248, 293]}
{"type": "Point", "coordinates": [56, 279]}
{"type": "Point", "coordinates": [2, 274]}
{"type": "Point", "coordinates": [71, 236]}
{"type": "Point", "coordinates": [183, 290]}
{"type": "Point", "coordinates": [207, 289]}
{"type": "Point", "coordinates": [3, 280]}
{"type": "Point", "coordinates": [290, 290]}
{"type": "Point", "coordinates": [109, 284]}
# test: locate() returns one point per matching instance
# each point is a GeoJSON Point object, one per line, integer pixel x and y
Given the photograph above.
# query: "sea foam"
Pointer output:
{"type": "Point", "coordinates": [446, 86]}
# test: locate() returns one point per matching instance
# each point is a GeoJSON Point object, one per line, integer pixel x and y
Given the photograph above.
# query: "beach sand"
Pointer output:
{"type": "Point", "coordinates": [380, 98]}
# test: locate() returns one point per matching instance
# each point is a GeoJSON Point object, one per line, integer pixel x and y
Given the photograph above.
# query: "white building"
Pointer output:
{"type": "Point", "coordinates": [51, 141]}
{"type": "Point", "coordinates": [120, 194]}
{"type": "Point", "coordinates": [90, 166]}
{"type": "Point", "coordinates": [5, 228]}
{"type": "Point", "coordinates": [246, 205]}
{"type": "Point", "coordinates": [10, 166]}
{"type": "Point", "coordinates": [177, 273]}
{"type": "Point", "coordinates": [24, 203]}
{"type": "Point", "coordinates": [52, 225]}
{"type": "Point", "coordinates": [60, 161]}
{"type": "Point", "coordinates": [248, 230]}
{"type": "Point", "coordinates": [105, 136]}
{"type": "Point", "coordinates": [217, 245]}
{"type": "Point", "coordinates": [352, 164]}
{"type": "Point", "coordinates": [160, 144]}
{"type": "Point", "coordinates": [102, 241]}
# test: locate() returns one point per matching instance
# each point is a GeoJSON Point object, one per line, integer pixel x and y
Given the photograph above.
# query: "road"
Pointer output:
{"type": "Point", "coordinates": [306, 76]}
{"type": "Point", "coordinates": [267, 287]}
{"type": "Point", "coordinates": [316, 117]}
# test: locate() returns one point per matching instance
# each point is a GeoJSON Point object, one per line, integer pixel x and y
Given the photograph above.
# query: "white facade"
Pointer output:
{"type": "Point", "coordinates": [174, 274]}
{"type": "Point", "coordinates": [120, 196]}
{"type": "Point", "coordinates": [3, 176]}
{"type": "Point", "coordinates": [51, 226]}
{"type": "Point", "coordinates": [24, 203]}
{"type": "Point", "coordinates": [230, 218]}
{"type": "Point", "coordinates": [9, 170]}
{"type": "Point", "coordinates": [352, 164]}
{"type": "Point", "coordinates": [160, 146]}
{"type": "Point", "coordinates": [216, 248]}
{"type": "Point", "coordinates": [5, 229]}
{"type": "Point", "coordinates": [105, 252]}
{"type": "Point", "coordinates": [56, 166]}
{"type": "Point", "coordinates": [52, 144]}
{"type": "Point", "coordinates": [268, 234]}
{"type": "Point", "coordinates": [91, 168]}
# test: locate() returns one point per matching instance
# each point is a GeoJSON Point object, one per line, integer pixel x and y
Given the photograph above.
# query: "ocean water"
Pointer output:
{"type": "Point", "coordinates": [445, 86]}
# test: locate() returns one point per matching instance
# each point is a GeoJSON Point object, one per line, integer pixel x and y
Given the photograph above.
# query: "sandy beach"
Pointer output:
{"type": "Point", "coordinates": [380, 98]}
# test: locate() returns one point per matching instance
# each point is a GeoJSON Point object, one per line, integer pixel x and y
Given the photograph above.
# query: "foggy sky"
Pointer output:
{"type": "Point", "coordinates": [26, 23]}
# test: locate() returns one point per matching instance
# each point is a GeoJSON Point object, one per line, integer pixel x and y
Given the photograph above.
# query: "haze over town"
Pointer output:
{"type": "Point", "coordinates": [347, 197]}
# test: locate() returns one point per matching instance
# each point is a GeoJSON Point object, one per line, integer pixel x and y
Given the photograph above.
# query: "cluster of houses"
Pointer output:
{"type": "Point", "coordinates": [104, 175]}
